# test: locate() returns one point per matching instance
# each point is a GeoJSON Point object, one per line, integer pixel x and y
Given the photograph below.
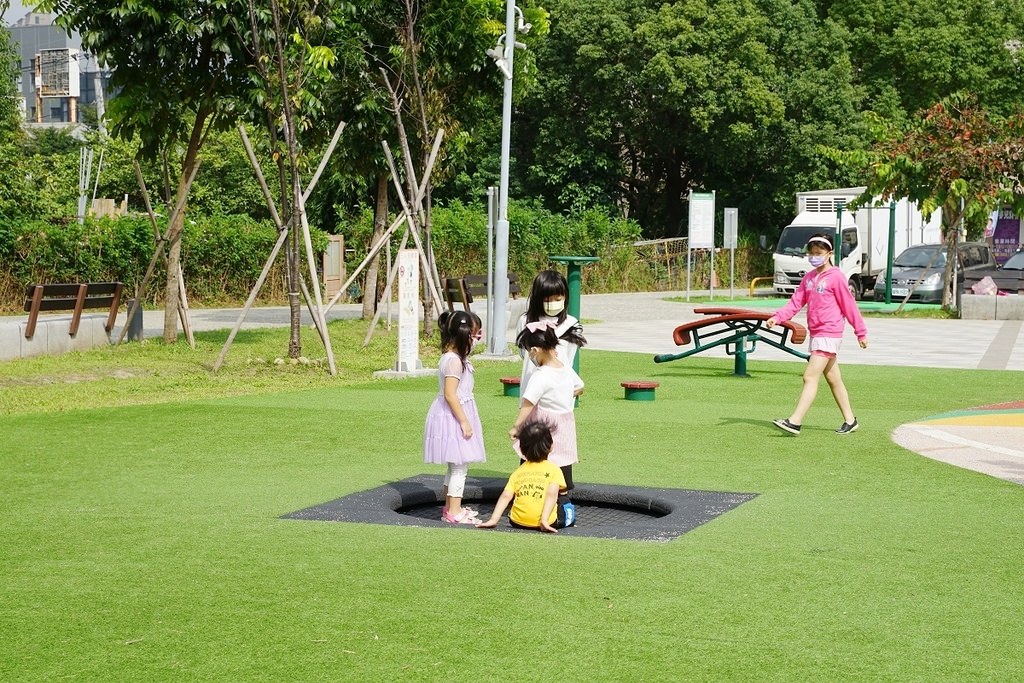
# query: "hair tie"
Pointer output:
{"type": "Point", "coordinates": [540, 325]}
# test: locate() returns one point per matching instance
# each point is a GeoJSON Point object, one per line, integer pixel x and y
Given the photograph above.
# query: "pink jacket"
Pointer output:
{"type": "Point", "coordinates": [829, 304]}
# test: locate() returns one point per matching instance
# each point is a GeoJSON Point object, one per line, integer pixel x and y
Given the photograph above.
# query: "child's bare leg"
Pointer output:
{"type": "Point", "coordinates": [839, 393]}
{"type": "Point", "coordinates": [812, 374]}
{"type": "Point", "coordinates": [453, 505]}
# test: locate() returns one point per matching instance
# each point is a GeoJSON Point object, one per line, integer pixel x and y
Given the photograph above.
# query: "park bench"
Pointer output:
{"type": "Point", "coordinates": [71, 297]}
{"type": "Point", "coordinates": [738, 330]}
{"type": "Point", "coordinates": [464, 290]}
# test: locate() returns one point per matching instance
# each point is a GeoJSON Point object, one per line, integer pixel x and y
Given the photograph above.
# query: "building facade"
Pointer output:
{"type": "Point", "coordinates": [59, 84]}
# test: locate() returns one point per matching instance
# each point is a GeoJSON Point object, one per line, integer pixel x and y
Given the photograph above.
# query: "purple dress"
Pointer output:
{"type": "Point", "coordinates": [443, 442]}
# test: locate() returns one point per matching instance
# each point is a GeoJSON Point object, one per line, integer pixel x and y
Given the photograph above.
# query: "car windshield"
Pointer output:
{"type": "Point", "coordinates": [920, 257]}
{"type": "Point", "coordinates": [794, 239]}
{"type": "Point", "coordinates": [1015, 262]}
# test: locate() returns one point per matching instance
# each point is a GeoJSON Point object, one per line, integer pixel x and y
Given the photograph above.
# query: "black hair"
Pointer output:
{"type": "Point", "coordinates": [544, 338]}
{"type": "Point", "coordinates": [547, 283]}
{"type": "Point", "coordinates": [442, 326]}
{"type": "Point", "coordinates": [821, 238]}
{"type": "Point", "coordinates": [550, 283]}
{"type": "Point", "coordinates": [535, 440]}
{"type": "Point", "coordinates": [457, 333]}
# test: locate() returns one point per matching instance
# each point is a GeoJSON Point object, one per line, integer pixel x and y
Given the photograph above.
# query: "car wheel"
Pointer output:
{"type": "Point", "coordinates": [855, 287]}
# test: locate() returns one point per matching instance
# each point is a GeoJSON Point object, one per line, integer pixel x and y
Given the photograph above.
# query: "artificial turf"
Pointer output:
{"type": "Point", "coordinates": [143, 543]}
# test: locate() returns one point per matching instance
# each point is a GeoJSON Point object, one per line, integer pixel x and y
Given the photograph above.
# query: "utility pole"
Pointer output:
{"type": "Point", "coordinates": [504, 60]}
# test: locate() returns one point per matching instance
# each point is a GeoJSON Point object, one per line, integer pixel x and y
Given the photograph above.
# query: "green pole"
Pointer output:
{"type": "Point", "coordinates": [574, 278]}
{"type": "Point", "coordinates": [574, 275]}
{"type": "Point", "coordinates": [837, 245]}
{"type": "Point", "coordinates": [892, 250]}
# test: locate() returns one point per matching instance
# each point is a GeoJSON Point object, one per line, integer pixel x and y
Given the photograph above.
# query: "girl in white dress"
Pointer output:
{"type": "Point", "coordinates": [550, 395]}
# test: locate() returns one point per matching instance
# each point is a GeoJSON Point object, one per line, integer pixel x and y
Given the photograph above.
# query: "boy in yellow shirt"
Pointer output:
{"type": "Point", "coordinates": [534, 488]}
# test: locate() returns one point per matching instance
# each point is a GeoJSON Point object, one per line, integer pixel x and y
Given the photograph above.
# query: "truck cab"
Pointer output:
{"type": "Point", "coordinates": [790, 258]}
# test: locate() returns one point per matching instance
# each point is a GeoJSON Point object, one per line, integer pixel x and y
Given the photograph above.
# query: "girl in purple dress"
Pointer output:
{"type": "Point", "coordinates": [453, 435]}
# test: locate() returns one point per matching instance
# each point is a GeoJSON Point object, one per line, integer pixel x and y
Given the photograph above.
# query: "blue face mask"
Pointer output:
{"type": "Point", "coordinates": [817, 261]}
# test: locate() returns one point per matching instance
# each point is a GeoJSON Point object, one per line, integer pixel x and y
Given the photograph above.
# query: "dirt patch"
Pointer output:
{"type": "Point", "coordinates": [75, 378]}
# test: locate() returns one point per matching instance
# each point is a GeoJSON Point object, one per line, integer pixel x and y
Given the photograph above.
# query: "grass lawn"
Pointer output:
{"type": "Point", "coordinates": [141, 541]}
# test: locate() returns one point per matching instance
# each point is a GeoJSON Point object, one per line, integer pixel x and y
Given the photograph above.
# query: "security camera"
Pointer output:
{"type": "Point", "coordinates": [499, 60]}
{"type": "Point", "coordinates": [523, 26]}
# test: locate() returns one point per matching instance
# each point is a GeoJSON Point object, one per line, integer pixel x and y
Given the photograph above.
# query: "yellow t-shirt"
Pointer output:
{"type": "Point", "coordinates": [528, 483]}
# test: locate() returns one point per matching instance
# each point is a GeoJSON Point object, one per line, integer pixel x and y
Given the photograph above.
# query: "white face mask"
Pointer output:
{"type": "Point", "coordinates": [554, 307]}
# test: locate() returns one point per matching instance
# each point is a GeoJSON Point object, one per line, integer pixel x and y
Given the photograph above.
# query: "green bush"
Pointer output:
{"type": "Point", "coordinates": [222, 257]}
{"type": "Point", "coordinates": [459, 241]}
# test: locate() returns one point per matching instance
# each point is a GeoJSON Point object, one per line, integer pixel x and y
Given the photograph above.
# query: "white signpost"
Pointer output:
{"type": "Point", "coordinates": [729, 242]}
{"type": "Point", "coordinates": [701, 233]}
{"type": "Point", "coordinates": [408, 307]}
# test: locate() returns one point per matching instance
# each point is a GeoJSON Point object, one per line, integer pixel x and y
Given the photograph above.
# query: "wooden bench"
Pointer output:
{"type": "Point", "coordinates": [455, 291]}
{"type": "Point", "coordinates": [738, 330]}
{"type": "Point", "coordinates": [72, 297]}
{"type": "Point", "coordinates": [467, 289]}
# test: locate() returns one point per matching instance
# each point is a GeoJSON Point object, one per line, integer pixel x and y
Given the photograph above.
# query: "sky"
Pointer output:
{"type": "Point", "coordinates": [17, 11]}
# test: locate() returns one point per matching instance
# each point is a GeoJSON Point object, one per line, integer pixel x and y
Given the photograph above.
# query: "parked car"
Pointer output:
{"type": "Point", "coordinates": [911, 270]}
{"type": "Point", "coordinates": [1015, 262]}
{"type": "Point", "coordinates": [1008, 278]}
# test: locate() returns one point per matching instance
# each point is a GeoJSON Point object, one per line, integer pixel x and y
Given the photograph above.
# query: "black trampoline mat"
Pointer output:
{"type": "Point", "coordinates": [602, 510]}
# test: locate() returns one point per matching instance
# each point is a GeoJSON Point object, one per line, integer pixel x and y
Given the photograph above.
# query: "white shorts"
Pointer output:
{"type": "Point", "coordinates": [825, 346]}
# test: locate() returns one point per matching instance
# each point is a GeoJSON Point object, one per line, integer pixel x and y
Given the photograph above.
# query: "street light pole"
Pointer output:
{"type": "Point", "coordinates": [498, 345]}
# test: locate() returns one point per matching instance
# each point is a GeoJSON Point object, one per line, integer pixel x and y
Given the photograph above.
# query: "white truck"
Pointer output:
{"type": "Point", "coordinates": [863, 247]}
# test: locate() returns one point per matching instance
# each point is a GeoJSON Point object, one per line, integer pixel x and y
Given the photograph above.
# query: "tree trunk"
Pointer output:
{"type": "Point", "coordinates": [380, 222]}
{"type": "Point", "coordinates": [950, 212]}
{"type": "Point", "coordinates": [189, 166]}
{"type": "Point", "coordinates": [171, 298]}
{"type": "Point", "coordinates": [428, 301]}
{"type": "Point", "coordinates": [294, 297]}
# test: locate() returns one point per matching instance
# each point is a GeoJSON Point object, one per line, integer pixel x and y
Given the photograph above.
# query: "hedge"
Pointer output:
{"type": "Point", "coordinates": [222, 256]}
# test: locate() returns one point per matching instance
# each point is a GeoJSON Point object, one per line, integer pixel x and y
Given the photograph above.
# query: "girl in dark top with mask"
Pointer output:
{"type": "Point", "coordinates": [547, 304]}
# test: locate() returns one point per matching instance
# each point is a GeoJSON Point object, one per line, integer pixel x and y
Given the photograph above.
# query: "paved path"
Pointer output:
{"type": "Point", "coordinates": [644, 322]}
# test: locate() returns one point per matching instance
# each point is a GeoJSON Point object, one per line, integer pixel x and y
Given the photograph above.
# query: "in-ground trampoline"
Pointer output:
{"type": "Point", "coordinates": [602, 511]}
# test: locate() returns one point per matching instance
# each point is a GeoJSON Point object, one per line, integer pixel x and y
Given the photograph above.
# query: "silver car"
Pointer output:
{"type": "Point", "coordinates": [921, 269]}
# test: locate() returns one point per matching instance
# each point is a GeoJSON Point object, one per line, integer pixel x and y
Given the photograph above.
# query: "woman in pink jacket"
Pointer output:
{"type": "Point", "coordinates": [829, 306]}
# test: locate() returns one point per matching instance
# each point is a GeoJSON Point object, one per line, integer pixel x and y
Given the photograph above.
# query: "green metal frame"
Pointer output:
{"type": "Point", "coordinates": [739, 337]}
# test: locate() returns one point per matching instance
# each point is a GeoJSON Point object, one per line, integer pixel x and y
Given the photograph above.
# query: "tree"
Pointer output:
{"type": "Point", "coordinates": [640, 101]}
{"type": "Point", "coordinates": [175, 69]}
{"type": "Point", "coordinates": [433, 54]}
{"type": "Point", "coordinates": [284, 47]}
{"type": "Point", "coordinates": [955, 157]}
{"type": "Point", "coordinates": [909, 54]}
{"type": "Point", "coordinates": [12, 171]}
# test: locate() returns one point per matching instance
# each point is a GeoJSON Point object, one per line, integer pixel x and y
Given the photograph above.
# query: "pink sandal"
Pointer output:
{"type": "Point", "coordinates": [464, 517]}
